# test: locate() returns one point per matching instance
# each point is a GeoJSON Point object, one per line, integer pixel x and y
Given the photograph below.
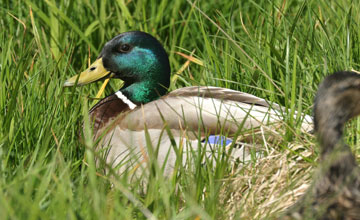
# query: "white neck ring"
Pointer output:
{"type": "Point", "coordinates": [125, 100]}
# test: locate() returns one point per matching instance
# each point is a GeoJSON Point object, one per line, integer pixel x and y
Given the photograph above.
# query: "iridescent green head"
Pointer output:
{"type": "Point", "coordinates": [138, 59]}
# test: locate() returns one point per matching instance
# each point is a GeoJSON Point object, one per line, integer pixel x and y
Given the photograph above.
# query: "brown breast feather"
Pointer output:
{"type": "Point", "coordinates": [105, 110]}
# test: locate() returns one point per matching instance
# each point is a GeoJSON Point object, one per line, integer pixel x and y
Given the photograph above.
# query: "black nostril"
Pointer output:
{"type": "Point", "coordinates": [92, 68]}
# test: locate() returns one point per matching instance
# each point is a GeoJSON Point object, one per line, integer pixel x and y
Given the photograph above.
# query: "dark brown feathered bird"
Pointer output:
{"type": "Point", "coordinates": [335, 192]}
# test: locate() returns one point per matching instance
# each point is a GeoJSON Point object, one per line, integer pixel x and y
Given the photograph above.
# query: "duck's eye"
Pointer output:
{"type": "Point", "coordinates": [124, 48]}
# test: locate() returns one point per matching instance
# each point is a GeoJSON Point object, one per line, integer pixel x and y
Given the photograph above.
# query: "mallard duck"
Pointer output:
{"type": "Point", "coordinates": [335, 192]}
{"type": "Point", "coordinates": [142, 108]}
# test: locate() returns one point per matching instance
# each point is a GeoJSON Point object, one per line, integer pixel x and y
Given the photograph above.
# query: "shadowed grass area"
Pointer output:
{"type": "Point", "coordinates": [277, 50]}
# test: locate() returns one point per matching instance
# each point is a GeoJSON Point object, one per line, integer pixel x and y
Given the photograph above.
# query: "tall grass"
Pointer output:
{"type": "Point", "coordinates": [278, 50]}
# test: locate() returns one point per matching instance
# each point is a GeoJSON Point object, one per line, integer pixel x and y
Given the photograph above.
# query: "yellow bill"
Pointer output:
{"type": "Point", "coordinates": [95, 72]}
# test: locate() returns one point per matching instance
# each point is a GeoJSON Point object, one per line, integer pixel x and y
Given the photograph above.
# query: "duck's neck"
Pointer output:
{"type": "Point", "coordinates": [143, 92]}
{"type": "Point", "coordinates": [335, 104]}
{"type": "Point", "coordinates": [330, 133]}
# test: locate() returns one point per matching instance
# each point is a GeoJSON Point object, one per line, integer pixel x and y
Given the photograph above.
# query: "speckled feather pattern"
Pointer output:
{"type": "Point", "coordinates": [335, 192]}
